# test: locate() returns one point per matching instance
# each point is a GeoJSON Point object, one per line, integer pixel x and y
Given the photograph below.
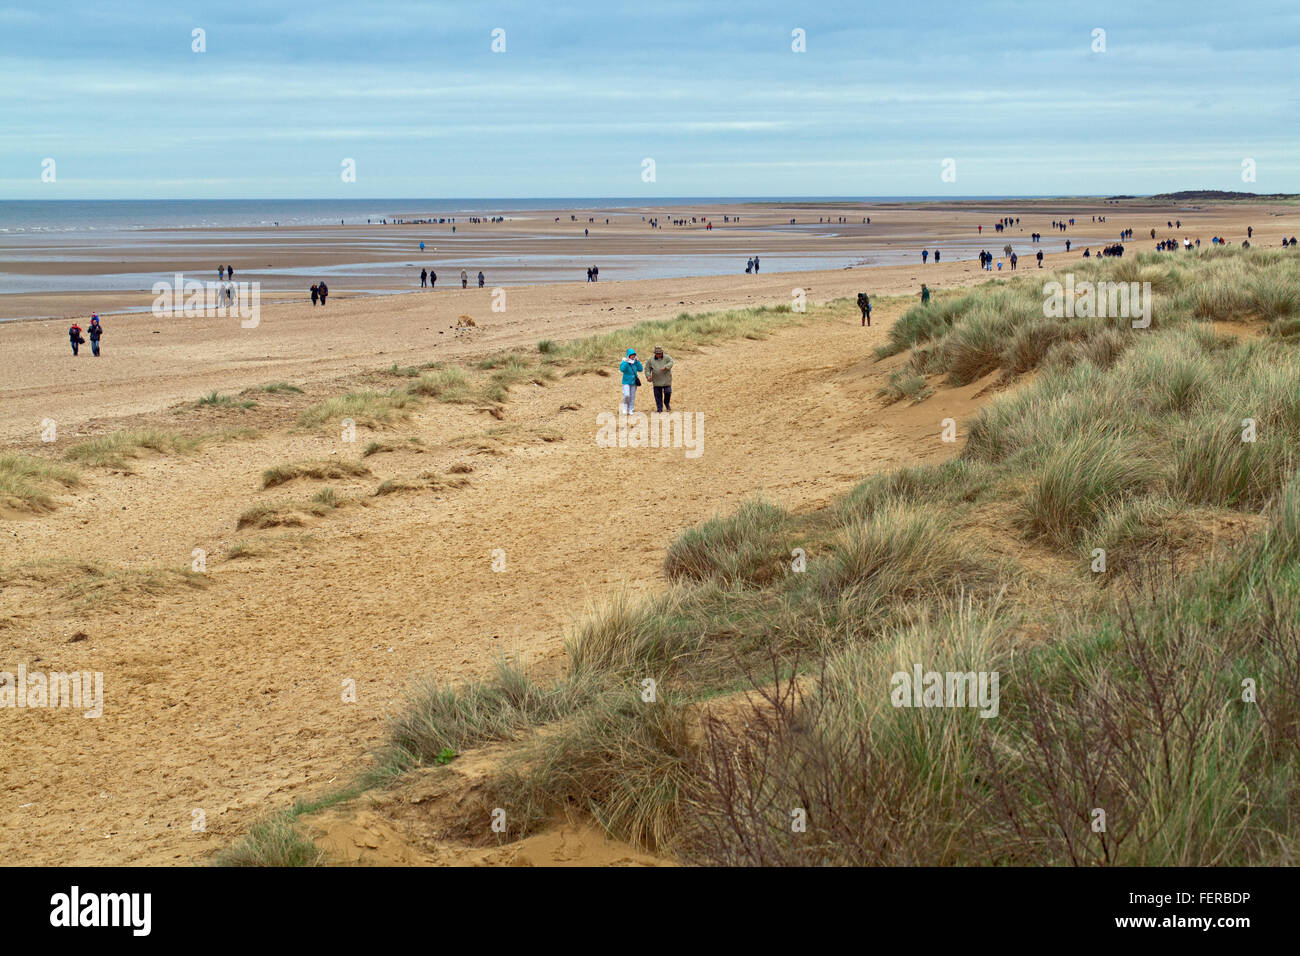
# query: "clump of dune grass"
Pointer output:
{"type": "Point", "coordinates": [1079, 480]}
{"type": "Point", "coordinates": [947, 484]}
{"type": "Point", "coordinates": [368, 408]}
{"type": "Point", "coordinates": [317, 469]}
{"type": "Point", "coordinates": [275, 841]}
{"type": "Point", "coordinates": [116, 449]}
{"type": "Point", "coordinates": [438, 715]}
{"type": "Point", "coordinates": [904, 383]}
{"type": "Point", "coordinates": [449, 385]}
{"type": "Point", "coordinates": [216, 400]}
{"type": "Point", "coordinates": [25, 481]}
{"type": "Point", "coordinates": [394, 485]}
{"type": "Point", "coordinates": [289, 514]}
{"type": "Point", "coordinates": [974, 348]}
{"type": "Point", "coordinates": [280, 387]}
{"type": "Point", "coordinates": [923, 323]}
{"type": "Point", "coordinates": [620, 759]}
{"type": "Point", "coordinates": [901, 552]}
{"type": "Point", "coordinates": [514, 369]}
{"type": "Point", "coordinates": [752, 547]}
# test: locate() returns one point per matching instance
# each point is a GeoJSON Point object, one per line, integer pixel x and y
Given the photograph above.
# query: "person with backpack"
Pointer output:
{"type": "Point", "coordinates": [74, 335]}
{"type": "Point", "coordinates": [864, 303]}
{"type": "Point", "coordinates": [322, 290]}
{"type": "Point", "coordinates": [433, 278]}
{"type": "Point", "coordinates": [94, 332]}
{"type": "Point", "coordinates": [630, 366]}
{"type": "Point", "coordinates": [659, 373]}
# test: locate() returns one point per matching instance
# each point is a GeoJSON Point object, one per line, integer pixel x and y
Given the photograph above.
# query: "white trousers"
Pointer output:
{"type": "Point", "coordinates": [629, 399]}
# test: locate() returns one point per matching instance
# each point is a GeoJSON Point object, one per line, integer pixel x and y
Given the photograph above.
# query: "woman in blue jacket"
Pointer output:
{"type": "Point", "coordinates": [630, 366]}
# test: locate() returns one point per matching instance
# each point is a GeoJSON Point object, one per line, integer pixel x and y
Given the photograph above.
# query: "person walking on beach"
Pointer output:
{"type": "Point", "coordinates": [230, 273]}
{"type": "Point", "coordinates": [74, 336]}
{"type": "Point", "coordinates": [659, 373]}
{"type": "Point", "coordinates": [755, 265]}
{"type": "Point", "coordinates": [595, 273]}
{"type": "Point", "coordinates": [1040, 258]}
{"type": "Point", "coordinates": [480, 278]}
{"type": "Point", "coordinates": [424, 278]}
{"type": "Point", "coordinates": [323, 290]}
{"type": "Point", "coordinates": [221, 273]}
{"type": "Point", "coordinates": [94, 332]}
{"type": "Point", "coordinates": [1014, 259]}
{"type": "Point", "coordinates": [464, 279]}
{"type": "Point", "coordinates": [588, 273]}
{"type": "Point", "coordinates": [936, 257]}
{"type": "Point", "coordinates": [433, 278]}
{"type": "Point", "coordinates": [629, 367]}
{"type": "Point", "coordinates": [749, 266]}
{"type": "Point", "coordinates": [315, 295]}
{"type": "Point", "coordinates": [864, 303]}
{"type": "Point", "coordinates": [925, 294]}
{"type": "Point", "coordinates": [925, 256]}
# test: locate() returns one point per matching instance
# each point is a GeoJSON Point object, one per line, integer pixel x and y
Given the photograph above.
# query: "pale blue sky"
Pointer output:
{"type": "Point", "coordinates": [712, 91]}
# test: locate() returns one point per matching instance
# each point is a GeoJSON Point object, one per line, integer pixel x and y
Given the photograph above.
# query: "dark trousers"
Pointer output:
{"type": "Point", "coordinates": [75, 345]}
{"type": "Point", "coordinates": [663, 397]}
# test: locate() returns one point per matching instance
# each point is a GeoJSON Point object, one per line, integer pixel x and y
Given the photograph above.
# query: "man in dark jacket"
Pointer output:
{"type": "Point", "coordinates": [864, 303]}
{"type": "Point", "coordinates": [95, 331]}
{"type": "Point", "coordinates": [659, 373]}
{"type": "Point", "coordinates": [322, 290]}
{"type": "Point", "coordinates": [75, 337]}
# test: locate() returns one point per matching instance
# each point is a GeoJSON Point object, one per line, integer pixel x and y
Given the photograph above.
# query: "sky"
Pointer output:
{"type": "Point", "coordinates": [112, 100]}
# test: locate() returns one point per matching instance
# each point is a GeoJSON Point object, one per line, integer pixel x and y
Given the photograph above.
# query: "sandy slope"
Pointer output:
{"type": "Point", "coordinates": [228, 698]}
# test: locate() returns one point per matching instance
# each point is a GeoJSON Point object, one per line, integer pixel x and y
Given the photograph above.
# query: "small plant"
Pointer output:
{"type": "Point", "coordinates": [445, 756]}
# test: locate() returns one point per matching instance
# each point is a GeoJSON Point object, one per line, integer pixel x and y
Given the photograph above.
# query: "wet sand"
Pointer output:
{"type": "Point", "coordinates": [73, 274]}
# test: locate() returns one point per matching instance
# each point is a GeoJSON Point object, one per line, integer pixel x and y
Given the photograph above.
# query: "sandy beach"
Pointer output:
{"type": "Point", "coordinates": [223, 696]}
